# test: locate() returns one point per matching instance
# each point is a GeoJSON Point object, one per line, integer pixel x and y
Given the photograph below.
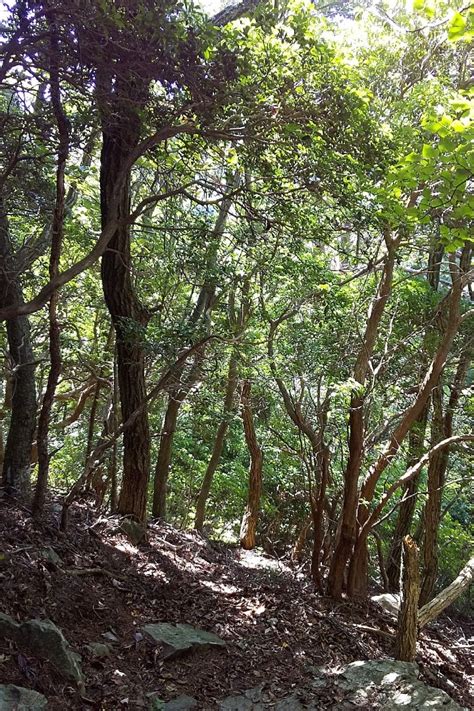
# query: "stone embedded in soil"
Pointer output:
{"type": "Point", "coordinates": [42, 638]}
{"type": "Point", "coordinates": [387, 684]}
{"type": "Point", "coordinates": [251, 700]}
{"type": "Point", "coordinates": [17, 698]}
{"type": "Point", "coordinates": [99, 650]}
{"type": "Point", "coordinates": [181, 638]}
{"type": "Point", "coordinates": [135, 531]}
{"type": "Point", "coordinates": [181, 703]}
{"type": "Point", "coordinates": [389, 601]}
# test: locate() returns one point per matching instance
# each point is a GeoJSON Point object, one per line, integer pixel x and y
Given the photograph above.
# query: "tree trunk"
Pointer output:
{"type": "Point", "coordinates": [57, 234]}
{"type": "Point", "coordinates": [218, 443]}
{"type": "Point", "coordinates": [405, 643]}
{"type": "Point", "coordinates": [442, 427]}
{"type": "Point", "coordinates": [19, 441]}
{"type": "Point", "coordinates": [297, 552]}
{"type": "Point", "coordinates": [358, 569]}
{"type": "Point", "coordinates": [408, 503]}
{"type": "Point", "coordinates": [447, 596]}
{"type": "Point", "coordinates": [120, 137]}
{"type": "Point", "coordinates": [317, 512]}
{"type": "Point", "coordinates": [348, 529]}
{"type": "Point", "coordinates": [248, 526]}
{"type": "Point", "coordinates": [164, 457]}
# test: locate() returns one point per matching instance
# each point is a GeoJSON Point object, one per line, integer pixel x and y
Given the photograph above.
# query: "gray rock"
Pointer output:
{"type": "Point", "coordinates": [49, 554]}
{"type": "Point", "coordinates": [181, 703]}
{"type": "Point", "coordinates": [43, 639]}
{"type": "Point", "coordinates": [99, 650]}
{"type": "Point", "coordinates": [9, 628]}
{"type": "Point", "coordinates": [389, 685]}
{"type": "Point", "coordinates": [17, 698]}
{"type": "Point", "coordinates": [249, 700]}
{"type": "Point", "coordinates": [389, 601]}
{"type": "Point", "coordinates": [238, 703]}
{"type": "Point", "coordinates": [181, 638]}
{"type": "Point", "coordinates": [135, 531]}
{"type": "Point", "coordinates": [291, 703]}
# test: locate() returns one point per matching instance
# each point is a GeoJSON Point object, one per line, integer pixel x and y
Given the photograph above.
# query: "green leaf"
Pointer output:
{"type": "Point", "coordinates": [429, 151]}
{"type": "Point", "coordinates": [457, 27]}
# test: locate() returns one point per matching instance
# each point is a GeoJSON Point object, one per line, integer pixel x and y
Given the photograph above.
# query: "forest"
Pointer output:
{"type": "Point", "coordinates": [237, 326]}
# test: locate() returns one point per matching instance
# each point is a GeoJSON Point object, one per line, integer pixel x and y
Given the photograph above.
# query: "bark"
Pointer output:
{"type": "Point", "coordinates": [57, 233]}
{"type": "Point", "coordinates": [446, 597]}
{"type": "Point", "coordinates": [317, 512]}
{"type": "Point", "coordinates": [405, 643]}
{"type": "Point", "coordinates": [348, 529]}
{"type": "Point", "coordinates": [228, 407]}
{"type": "Point", "coordinates": [358, 573]}
{"type": "Point", "coordinates": [19, 441]}
{"type": "Point", "coordinates": [248, 526]}
{"type": "Point", "coordinates": [201, 312]}
{"type": "Point", "coordinates": [164, 456]}
{"type": "Point", "coordinates": [163, 462]}
{"type": "Point", "coordinates": [120, 136]}
{"type": "Point", "coordinates": [297, 552]}
{"type": "Point", "coordinates": [408, 503]}
{"type": "Point", "coordinates": [442, 427]}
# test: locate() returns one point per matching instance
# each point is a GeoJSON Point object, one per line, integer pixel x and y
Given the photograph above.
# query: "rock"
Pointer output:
{"type": "Point", "coordinates": [181, 703]}
{"type": "Point", "coordinates": [135, 531]}
{"type": "Point", "coordinates": [17, 698]}
{"type": "Point", "coordinates": [389, 601]}
{"type": "Point", "coordinates": [49, 554]}
{"type": "Point", "coordinates": [251, 700]}
{"type": "Point", "coordinates": [238, 703]}
{"type": "Point", "coordinates": [99, 650]}
{"type": "Point", "coordinates": [9, 628]}
{"type": "Point", "coordinates": [181, 638]}
{"type": "Point", "coordinates": [389, 685]}
{"type": "Point", "coordinates": [43, 639]}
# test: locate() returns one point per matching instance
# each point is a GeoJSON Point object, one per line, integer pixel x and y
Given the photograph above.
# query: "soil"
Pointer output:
{"type": "Point", "coordinates": [277, 628]}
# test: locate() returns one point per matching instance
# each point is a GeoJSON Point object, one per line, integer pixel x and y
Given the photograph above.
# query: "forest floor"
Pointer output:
{"type": "Point", "coordinates": [277, 629]}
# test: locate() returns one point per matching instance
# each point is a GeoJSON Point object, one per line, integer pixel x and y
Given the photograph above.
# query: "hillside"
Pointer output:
{"type": "Point", "coordinates": [99, 588]}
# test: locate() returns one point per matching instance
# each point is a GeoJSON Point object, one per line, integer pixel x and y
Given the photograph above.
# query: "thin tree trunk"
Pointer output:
{"type": "Point", "coordinates": [19, 441]}
{"type": "Point", "coordinates": [201, 312]}
{"type": "Point", "coordinates": [297, 552]}
{"type": "Point", "coordinates": [358, 572]}
{"type": "Point", "coordinates": [248, 526]}
{"type": "Point", "coordinates": [204, 492]}
{"type": "Point", "coordinates": [442, 428]}
{"type": "Point", "coordinates": [408, 503]}
{"type": "Point", "coordinates": [447, 596]}
{"type": "Point", "coordinates": [348, 529]}
{"type": "Point", "coordinates": [407, 632]}
{"type": "Point", "coordinates": [317, 511]}
{"type": "Point", "coordinates": [164, 457]}
{"type": "Point", "coordinates": [57, 233]}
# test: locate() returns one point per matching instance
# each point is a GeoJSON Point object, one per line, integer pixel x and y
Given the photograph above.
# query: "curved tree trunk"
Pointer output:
{"type": "Point", "coordinates": [442, 428]}
{"type": "Point", "coordinates": [408, 503]}
{"type": "Point", "coordinates": [358, 569]}
{"type": "Point", "coordinates": [218, 443]}
{"type": "Point", "coordinates": [348, 529]}
{"type": "Point", "coordinates": [19, 441]}
{"type": "Point", "coordinates": [447, 596]}
{"type": "Point", "coordinates": [164, 457]}
{"type": "Point", "coordinates": [248, 526]}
